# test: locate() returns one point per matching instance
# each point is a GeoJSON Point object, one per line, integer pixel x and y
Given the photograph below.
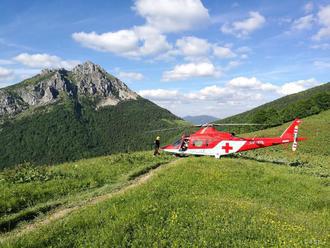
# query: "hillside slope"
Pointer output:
{"type": "Point", "coordinates": [88, 113]}
{"type": "Point", "coordinates": [205, 202]}
{"type": "Point", "coordinates": [302, 104]}
{"type": "Point", "coordinates": [312, 153]}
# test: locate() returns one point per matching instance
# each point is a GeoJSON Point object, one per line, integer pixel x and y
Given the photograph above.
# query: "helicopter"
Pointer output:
{"type": "Point", "coordinates": [208, 141]}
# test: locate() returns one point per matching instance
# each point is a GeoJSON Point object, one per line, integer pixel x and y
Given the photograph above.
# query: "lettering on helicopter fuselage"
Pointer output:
{"type": "Point", "coordinates": [260, 142]}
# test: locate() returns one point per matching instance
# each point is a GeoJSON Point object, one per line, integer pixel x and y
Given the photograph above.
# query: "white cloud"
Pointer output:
{"type": "Point", "coordinates": [322, 64]}
{"type": "Point", "coordinates": [148, 39]}
{"type": "Point", "coordinates": [297, 86]}
{"type": "Point", "coordinates": [5, 73]}
{"type": "Point", "coordinates": [322, 33]}
{"type": "Point", "coordinates": [44, 60]}
{"type": "Point", "coordinates": [197, 49]}
{"type": "Point", "coordinates": [6, 62]}
{"type": "Point", "coordinates": [223, 52]}
{"type": "Point", "coordinates": [130, 75]}
{"type": "Point", "coordinates": [153, 41]}
{"type": "Point", "coordinates": [245, 27]}
{"type": "Point", "coordinates": [237, 95]}
{"type": "Point", "coordinates": [172, 15]}
{"type": "Point", "coordinates": [250, 83]}
{"type": "Point", "coordinates": [205, 94]}
{"type": "Point", "coordinates": [135, 42]}
{"type": "Point", "coordinates": [305, 22]}
{"type": "Point", "coordinates": [235, 89]}
{"type": "Point", "coordinates": [324, 15]}
{"type": "Point", "coordinates": [243, 52]}
{"type": "Point", "coordinates": [122, 41]}
{"type": "Point", "coordinates": [244, 83]}
{"type": "Point", "coordinates": [198, 69]}
{"type": "Point", "coordinates": [210, 92]}
{"type": "Point", "coordinates": [323, 46]}
{"type": "Point", "coordinates": [24, 73]}
{"type": "Point", "coordinates": [169, 55]}
{"type": "Point", "coordinates": [324, 20]}
{"type": "Point", "coordinates": [193, 46]}
{"type": "Point", "coordinates": [185, 71]}
{"type": "Point", "coordinates": [232, 64]}
{"type": "Point", "coordinates": [308, 7]}
{"type": "Point", "coordinates": [159, 94]}
{"type": "Point", "coordinates": [8, 76]}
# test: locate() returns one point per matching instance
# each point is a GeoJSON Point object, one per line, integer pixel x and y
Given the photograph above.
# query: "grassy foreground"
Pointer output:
{"type": "Point", "coordinates": [202, 202]}
{"type": "Point", "coordinates": [195, 202]}
{"type": "Point", "coordinates": [27, 190]}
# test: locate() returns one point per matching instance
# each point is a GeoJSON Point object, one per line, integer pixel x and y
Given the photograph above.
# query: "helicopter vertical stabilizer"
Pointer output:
{"type": "Point", "coordinates": [291, 133]}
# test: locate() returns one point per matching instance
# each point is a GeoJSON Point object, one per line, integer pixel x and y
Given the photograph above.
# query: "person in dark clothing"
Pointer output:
{"type": "Point", "coordinates": [157, 145]}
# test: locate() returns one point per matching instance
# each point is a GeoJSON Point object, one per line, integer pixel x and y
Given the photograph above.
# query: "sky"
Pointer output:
{"type": "Point", "coordinates": [192, 57]}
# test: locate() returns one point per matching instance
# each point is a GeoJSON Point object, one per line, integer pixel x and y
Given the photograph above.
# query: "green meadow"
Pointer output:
{"type": "Point", "coordinates": [204, 203]}
{"type": "Point", "coordinates": [27, 190]}
{"type": "Point", "coordinates": [312, 155]}
{"type": "Point", "coordinates": [265, 198]}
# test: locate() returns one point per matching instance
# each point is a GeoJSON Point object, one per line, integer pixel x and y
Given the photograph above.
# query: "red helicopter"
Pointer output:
{"type": "Point", "coordinates": [211, 142]}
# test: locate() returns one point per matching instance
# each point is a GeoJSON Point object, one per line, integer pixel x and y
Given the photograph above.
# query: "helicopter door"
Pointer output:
{"type": "Point", "coordinates": [185, 144]}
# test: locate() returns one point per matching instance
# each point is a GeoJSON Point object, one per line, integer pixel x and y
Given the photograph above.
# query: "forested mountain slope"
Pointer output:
{"type": "Point", "coordinates": [66, 115]}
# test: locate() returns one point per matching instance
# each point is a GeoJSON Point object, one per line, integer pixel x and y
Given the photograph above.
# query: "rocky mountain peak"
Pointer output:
{"type": "Point", "coordinates": [87, 79]}
{"type": "Point", "coordinates": [46, 71]}
{"type": "Point", "coordinates": [87, 67]}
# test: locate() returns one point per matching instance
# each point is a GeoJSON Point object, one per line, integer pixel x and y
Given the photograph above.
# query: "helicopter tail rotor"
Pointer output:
{"type": "Point", "coordinates": [295, 139]}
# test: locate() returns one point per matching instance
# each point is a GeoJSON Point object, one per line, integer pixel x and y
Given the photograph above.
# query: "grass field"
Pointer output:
{"type": "Point", "coordinates": [202, 202]}
{"type": "Point", "coordinates": [195, 202]}
{"type": "Point", "coordinates": [313, 154]}
{"type": "Point", "coordinates": [27, 190]}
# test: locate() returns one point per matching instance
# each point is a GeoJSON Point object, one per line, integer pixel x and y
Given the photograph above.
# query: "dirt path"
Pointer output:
{"type": "Point", "coordinates": [63, 212]}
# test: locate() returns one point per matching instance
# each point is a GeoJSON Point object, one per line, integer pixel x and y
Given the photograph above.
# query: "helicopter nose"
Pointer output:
{"type": "Point", "coordinates": [166, 147]}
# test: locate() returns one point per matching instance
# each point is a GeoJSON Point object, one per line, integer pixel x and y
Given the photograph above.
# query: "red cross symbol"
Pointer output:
{"type": "Point", "coordinates": [227, 147]}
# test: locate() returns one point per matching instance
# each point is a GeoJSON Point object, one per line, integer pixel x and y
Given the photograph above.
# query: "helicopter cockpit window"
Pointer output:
{"type": "Point", "coordinates": [177, 143]}
{"type": "Point", "coordinates": [198, 143]}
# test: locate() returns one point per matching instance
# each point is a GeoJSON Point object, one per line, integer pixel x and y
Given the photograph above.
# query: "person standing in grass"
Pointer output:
{"type": "Point", "coordinates": [157, 145]}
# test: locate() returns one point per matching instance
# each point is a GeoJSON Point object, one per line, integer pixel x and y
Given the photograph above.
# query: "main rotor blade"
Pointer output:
{"type": "Point", "coordinates": [205, 125]}
{"type": "Point", "coordinates": [167, 129]}
{"type": "Point", "coordinates": [238, 124]}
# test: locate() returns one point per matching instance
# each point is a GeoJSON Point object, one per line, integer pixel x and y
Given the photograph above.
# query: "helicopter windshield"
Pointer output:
{"type": "Point", "coordinates": [177, 143]}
